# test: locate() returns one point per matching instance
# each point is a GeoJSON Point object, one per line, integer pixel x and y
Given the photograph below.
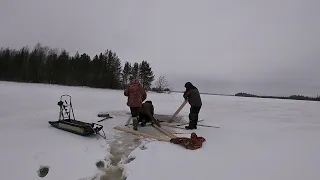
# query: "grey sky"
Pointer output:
{"type": "Point", "coordinates": [223, 46]}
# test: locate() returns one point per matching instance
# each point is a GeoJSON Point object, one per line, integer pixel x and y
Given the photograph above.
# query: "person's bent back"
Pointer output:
{"type": "Point", "coordinates": [136, 94]}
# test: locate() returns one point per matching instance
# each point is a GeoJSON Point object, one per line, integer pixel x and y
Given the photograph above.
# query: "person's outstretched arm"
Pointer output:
{"type": "Point", "coordinates": [186, 94]}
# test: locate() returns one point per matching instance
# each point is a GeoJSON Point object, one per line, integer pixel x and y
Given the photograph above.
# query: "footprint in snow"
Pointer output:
{"type": "Point", "coordinates": [130, 159]}
{"type": "Point", "coordinates": [100, 164]}
{"type": "Point", "coordinates": [136, 140]}
{"type": "Point", "coordinates": [143, 147]}
{"type": "Point", "coordinates": [43, 171]}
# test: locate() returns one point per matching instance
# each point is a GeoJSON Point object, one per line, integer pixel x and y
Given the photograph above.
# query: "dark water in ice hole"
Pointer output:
{"type": "Point", "coordinates": [120, 148]}
{"type": "Point", "coordinates": [123, 145]}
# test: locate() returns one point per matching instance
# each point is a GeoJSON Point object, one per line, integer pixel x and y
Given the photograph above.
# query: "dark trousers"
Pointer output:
{"type": "Point", "coordinates": [195, 110]}
{"type": "Point", "coordinates": [134, 111]}
{"type": "Point", "coordinates": [144, 117]}
{"type": "Point", "coordinates": [194, 115]}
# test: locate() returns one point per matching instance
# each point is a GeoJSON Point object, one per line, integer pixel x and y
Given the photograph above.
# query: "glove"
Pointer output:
{"type": "Point", "coordinates": [185, 97]}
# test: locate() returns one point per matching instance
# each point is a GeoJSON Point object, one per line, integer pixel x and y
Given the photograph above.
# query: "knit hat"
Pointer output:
{"type": "Point", "coordinates": [188, 85]}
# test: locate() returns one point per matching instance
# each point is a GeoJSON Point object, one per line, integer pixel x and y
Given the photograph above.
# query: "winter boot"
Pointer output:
{"type": "Point", "coordinates": [135, 123]}
{"type": "Point", "coordinates": [143, 122]}
{"type": "Point", "coordinates": [189, 127]}
{"type": "Point", "coordinates": [192, 122]}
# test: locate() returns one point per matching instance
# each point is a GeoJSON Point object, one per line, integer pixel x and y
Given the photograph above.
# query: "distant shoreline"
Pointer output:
{"type": "Point", "coordinates": [292, 97]}
{"type": "Point", "coordinates": [215, 94]}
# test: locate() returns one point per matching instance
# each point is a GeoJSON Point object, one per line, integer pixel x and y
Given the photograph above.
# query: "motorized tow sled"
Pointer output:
{"type": "Point", "coordinates": [67, 121]}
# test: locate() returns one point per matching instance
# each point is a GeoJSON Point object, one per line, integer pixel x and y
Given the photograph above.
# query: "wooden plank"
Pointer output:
{"type": "Point", "coordinates": [182, 133]}
{"type": "Point", "coordinates": [103, 119]}
{"type": "Point", "coordinates": [178, 110]}
{"type": "Point", "coordinates": [104, 115]}
{"type": "Point", "coordinates": [172, 132]}
{"type": "Point", "coordinates": [129, 120]}
{"type": "Point", "coordinates": [165, 132]}
{"type": "Point", "coordinates": [179, 127]}
{"type": "Point", "coordinates": [170, 125]}
{"type": "Point", "coordinates": [177, 124]}
{"type": "Point", "coordinates": [186, 123]}
{"type": "Point", "coordinates": [208, 126]}
{"type": "Point", "coordinates": [127, 130]}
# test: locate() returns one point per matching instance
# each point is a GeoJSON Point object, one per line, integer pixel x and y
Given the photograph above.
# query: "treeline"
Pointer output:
{"type": "Point", "coordinates": [53, 66]}
{"type": "Point", "coordinates": [293, 97]}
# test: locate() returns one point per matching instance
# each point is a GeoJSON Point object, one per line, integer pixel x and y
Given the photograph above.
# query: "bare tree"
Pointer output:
{"type": "Point", "coordinates": [161, 85]}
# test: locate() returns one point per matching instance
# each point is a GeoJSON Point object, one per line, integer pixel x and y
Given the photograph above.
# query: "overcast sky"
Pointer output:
{"type": "Point", "coordinates": [222, 46]}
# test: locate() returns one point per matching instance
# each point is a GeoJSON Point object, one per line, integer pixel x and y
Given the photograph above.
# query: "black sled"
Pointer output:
{"type": "Point", "coordinates": [67, 121]}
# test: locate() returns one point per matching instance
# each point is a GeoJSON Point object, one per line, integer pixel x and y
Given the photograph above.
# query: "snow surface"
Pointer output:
{"type": "Point", "coordinates": [259, 138]}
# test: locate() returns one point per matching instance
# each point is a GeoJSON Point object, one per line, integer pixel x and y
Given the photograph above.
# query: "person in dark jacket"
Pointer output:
{"type": "Point", "coordinates": [193, 96]}
{"type": "Point", "coordinates": [146, 114]}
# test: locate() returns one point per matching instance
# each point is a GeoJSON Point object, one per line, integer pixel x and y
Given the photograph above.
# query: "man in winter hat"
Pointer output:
{"type": "Point", "coordinates": [193, 96]}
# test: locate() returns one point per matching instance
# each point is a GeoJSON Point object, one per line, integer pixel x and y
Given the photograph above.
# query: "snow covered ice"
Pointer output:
{"type": "Point", "coordinates": [259, 139]}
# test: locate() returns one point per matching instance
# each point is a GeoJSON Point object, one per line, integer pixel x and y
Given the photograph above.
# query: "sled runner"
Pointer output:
{"type": "Point", "coordinates": [67, 121]}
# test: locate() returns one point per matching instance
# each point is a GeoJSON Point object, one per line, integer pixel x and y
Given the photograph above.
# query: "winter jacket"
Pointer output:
{"type": "Point", "coordinates": [192, 143]}
{"type": "Point", "coordinates": [147, 108]}
{"type": "Point", "coordinates": [192, 95]}
{"type": "Point", "coordinates": [136, 94]}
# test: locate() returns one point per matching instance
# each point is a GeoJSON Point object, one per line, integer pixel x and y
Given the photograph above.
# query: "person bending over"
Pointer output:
{"type": "Point", "coordinates": [193, 96]}
{"type": "Point", "coordinates": [146, 114]}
